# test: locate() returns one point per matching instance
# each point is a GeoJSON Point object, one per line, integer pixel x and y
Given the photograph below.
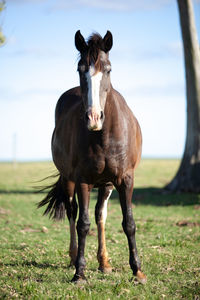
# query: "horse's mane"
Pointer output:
{"type": "Point", "coordinates": [95, 44]}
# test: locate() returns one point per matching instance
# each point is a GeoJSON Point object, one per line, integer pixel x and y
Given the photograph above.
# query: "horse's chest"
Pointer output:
{"type": "Point", "coordinates": [100, 161]}
{"type": "Point", "coordinates": [93, 161]}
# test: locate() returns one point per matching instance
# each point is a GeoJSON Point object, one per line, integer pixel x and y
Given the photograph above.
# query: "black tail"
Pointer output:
{"type": "Point", "coordinates": [56, 200]}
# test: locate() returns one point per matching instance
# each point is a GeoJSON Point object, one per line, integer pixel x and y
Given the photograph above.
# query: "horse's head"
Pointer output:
{"type": "Point", "coordinates": [94, 70]}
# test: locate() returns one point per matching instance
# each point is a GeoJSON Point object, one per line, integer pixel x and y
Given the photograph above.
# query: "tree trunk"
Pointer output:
{"type": "Point", "coordinates": [187, 178]}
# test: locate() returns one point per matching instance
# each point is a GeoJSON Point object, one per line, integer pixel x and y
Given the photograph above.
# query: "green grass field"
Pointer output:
{"type": "Point", "coordinates": [34, 261]}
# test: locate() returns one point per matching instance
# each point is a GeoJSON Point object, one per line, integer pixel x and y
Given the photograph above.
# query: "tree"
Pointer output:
{"type": "Point", "coordinates": [187, 178]}
{"type": "Point", "coordinates": [2, 37]}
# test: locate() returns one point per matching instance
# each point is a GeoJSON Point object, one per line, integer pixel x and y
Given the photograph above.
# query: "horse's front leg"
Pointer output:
{"type": "Point", "coordinates": [72, 223]}
{"type": "Point", "coordinates": [125, 190]}
{"type": "Point", "coordinates": [71, 207]}
{"type": "Point", "coordinates": [100, 216]}
{"type": "Point", "coordinates": [83, 226]}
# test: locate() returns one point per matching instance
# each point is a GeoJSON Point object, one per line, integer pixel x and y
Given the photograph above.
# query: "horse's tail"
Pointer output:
{"type": "Point", "coordinates": [55, 201]}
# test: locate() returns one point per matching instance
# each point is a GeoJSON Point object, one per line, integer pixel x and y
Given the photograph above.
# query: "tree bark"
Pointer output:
{"type": "Point", "coordinates": [187, 178]}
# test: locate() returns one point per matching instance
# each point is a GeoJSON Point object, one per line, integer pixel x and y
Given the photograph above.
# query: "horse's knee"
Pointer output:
{"type": "Point", "coordinates": [71, 207]}
{"type": "Point", "coordinates": [83, 225]}
{"type": "Point", "coordinates": [128, 225]}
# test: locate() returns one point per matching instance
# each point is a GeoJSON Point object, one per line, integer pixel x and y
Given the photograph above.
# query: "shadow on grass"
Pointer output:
{"type": "Point", "coordinates": [21, 192]}
{"type": "Point", "coordinates": [141, 196]}
{"type": "Point", "coordinates": [159, 197]}
{"type": "Point", "coordinates": [32, 263]}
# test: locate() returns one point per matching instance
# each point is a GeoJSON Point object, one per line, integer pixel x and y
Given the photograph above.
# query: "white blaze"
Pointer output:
{"type": "Point", "coordinates": [94, 81]}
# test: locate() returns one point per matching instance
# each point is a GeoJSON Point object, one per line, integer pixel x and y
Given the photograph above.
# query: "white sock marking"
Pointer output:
{"type": "Point", "coordinates": [104, 210]}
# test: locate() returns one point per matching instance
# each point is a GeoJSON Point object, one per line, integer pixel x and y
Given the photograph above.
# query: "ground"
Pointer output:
{"type": "Point", "coordinates": [34, 261]}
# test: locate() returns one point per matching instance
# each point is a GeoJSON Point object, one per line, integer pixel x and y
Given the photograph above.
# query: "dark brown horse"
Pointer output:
{"type": "Point", "coordinates": [96, 143]}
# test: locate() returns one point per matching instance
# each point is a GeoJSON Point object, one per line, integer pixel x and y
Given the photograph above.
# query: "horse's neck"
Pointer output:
{"type": "Point", "coordinates": [113, 105]}
{"type": "Point", "coordinates": [113, 117]}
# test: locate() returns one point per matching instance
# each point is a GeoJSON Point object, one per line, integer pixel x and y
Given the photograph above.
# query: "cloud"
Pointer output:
{"type": "Point", "coordinates": [106, 5]}
{"type": "Point", "coordinates": [111, 5]}
{"type": "Point", "coordinates": [136, 53]}
{"type": "Point", "coordinates": [33, 52]}
{"type": "Point", "coordinates": [175, 49]}
{"type": "Point", "coordinates": [170, 50]}
{"type": "Point", "coordinates": [27, 1]}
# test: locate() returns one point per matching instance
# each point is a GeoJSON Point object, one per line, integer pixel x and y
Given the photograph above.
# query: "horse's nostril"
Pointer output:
{"type": "Point", "coordinates": [86, 116]}
{"type": "Point", "coordinates": [102, 115]}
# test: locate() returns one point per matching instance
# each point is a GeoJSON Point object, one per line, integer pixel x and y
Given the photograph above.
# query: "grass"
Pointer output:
{"type": "Point", "coordinates": [34, 250]}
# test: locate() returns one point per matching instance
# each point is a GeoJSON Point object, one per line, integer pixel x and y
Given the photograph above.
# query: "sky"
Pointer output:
{"type": "Point", "coordinates": [39, 62]}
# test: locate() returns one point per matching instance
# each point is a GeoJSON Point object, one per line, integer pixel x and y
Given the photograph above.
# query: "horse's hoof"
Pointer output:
{"type": "Point", "coordinates": [79, 279]}
{"type": "Point", "coordinates": [105, 269]}
{"type": "Point", "coordinates": [141, 277]}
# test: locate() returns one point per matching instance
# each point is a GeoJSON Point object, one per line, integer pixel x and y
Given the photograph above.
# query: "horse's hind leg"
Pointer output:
{"type": "Point", "coordinates": [100, 216]}
{"type": "Point", "coordinates": [125, 194]}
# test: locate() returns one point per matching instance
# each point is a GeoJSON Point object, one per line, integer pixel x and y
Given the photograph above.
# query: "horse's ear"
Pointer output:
{"type": "Point", "coordinates": [108, 41]}
{"type": "Point", "coordinates": [80, 42]}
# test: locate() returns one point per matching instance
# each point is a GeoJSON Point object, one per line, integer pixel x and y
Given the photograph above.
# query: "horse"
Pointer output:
{"type": "Point", "coordinates": [96, 143]}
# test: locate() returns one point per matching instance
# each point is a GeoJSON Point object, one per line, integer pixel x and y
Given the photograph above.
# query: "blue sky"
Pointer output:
{"type": "Point", "coordinates": [38, 63]}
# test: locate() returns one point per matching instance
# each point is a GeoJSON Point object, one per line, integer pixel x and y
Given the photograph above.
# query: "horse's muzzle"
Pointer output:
{"type": "Point", "coordinates": [94, 120]}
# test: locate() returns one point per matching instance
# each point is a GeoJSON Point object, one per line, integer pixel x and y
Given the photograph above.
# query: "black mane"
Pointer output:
{"type": "Point", "coordinates": [95, 44]}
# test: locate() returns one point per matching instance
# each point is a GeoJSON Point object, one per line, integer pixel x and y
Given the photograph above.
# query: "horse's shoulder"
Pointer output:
{"type": "Point", "coordinates": [121, 103]}
{"type": "Point", "coordinates": [67, 100]}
